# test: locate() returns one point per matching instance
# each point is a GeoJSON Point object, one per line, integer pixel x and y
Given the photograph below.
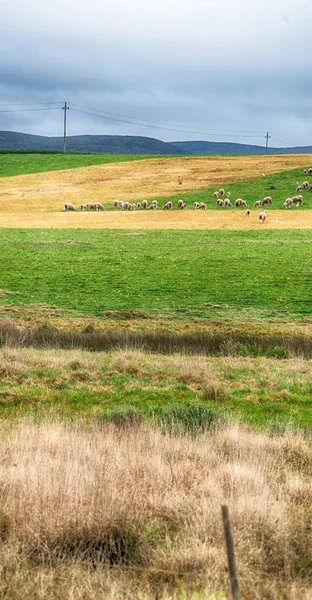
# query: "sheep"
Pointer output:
{"type": "Point", "coordinates": [228, 194]}
{"type": "Point", "coordinates": [310, 171]}
{"type": "Point", "coordinates": [286, 204]}
{"type": "Point", "coordinates": [305, 184]}
{"type": "Point", "coordinates": [168, 206]}
{"type": "Point", "coordinates": [116, 203]}
{"type": "Point", "coordinates": [258, 203]}
{"type": "Point", "coordinates": [262, 216]}
{"type": "Point", "coordinates": [69, 206]}
{"type": "Point", "coordinates": [133, 206]}
{"type": "Point", "coordinates": [219, 202]}
{"type": "Point", "coordinates": [98, 206]}
{"type": "Point", "coordinates": [180, 203]}
{"type": "Point", "coordinates": [247, 213]}
{"type": "Point", "coordinates": [155, 203]}
{"type": "Point", "coordinates": [221, 192]}
{"type": "Point", "coordinates": [90, 206]}
{"type": "Point", "coordinates": [202, 205]}
{"type": "Point", "coordinates": [126, 206]}
{"type": "Point", "coordinates": [299, 188]}
{"type": "Point", "coordinates": [121, 204]}
{"type": "Point", "coordinates": [243, 203]}
{"type": "Point", "coordinates": [267, 200]}
{"type": "Point", "coordinates": [227, 202]}
{"type": "Point", "coordinates": [144, 204]}
{"type": "Point", "coordinates": [196, 205]}
{"type": "Point", "coordinates": [305, 171]}
{"type": "Point", "coordinates": [297, 199]}
{"type": "Point", "coordinates": [216, 195]}
{"type": "Point", "coordinates": [238, 202]}
{"type": "Point", "coordinates": [83, 207]}
{"type": "Point", "coordinates": [152, 207]}
{"type": "Point", "coordinates": [183, 206]}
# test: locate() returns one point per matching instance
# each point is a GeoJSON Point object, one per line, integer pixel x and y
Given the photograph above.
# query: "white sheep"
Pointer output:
{"type": "Point", "coordinates": [299, 188]}
{"type": "Point", "coordinates": [263, 215]}
{"type": "Point", "coordinates": [227, 202]}
{"type": "Point", "coordinates": [196, 205]}
{"type": "Point", "coordinates": [98, 206]}
{"type": "Point", "coordinates": [247, 213]}
{"type": "Point", "coordinates": [90, 206]}
{"type": "Point", "coordinates": [168, 206]}
{"type": "Point", "coordinates": [267, 200]}
{"type": "Point", "coordinates": [305, 184]}
{"type": "Point", "coordinates": [221, 192]}
{"type": "Point", "coordinates": [180, 203]}
{"type": "Point", "coordinates": [228, 194]}
{"type": "Point", "coordinates": [116, 203]}
{"type": "Point", "coordinates": [310, 171]}
{"type": "Point", "coordinates": [144, 204]}
{"type": "Point", "coordinates": [258, 203]}
{"type": "Point", "coordinates": [238, 202]}
{"type": "Point", "coordinates": [83, 207]}
{"type": "Point", "coordinates": [216, 195]}
{"type": "Point", "coordinates": [138, 205]}
{"type": "Point", "coordinates": [69, 206]}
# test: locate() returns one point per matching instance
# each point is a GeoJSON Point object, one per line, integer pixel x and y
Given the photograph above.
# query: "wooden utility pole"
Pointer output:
{"type": "Point", "coordinates": [230, 552]}
{"type": "Point", "coordinates": [267, 142]}
{"type": "Point", "coordinates": [65, 109]}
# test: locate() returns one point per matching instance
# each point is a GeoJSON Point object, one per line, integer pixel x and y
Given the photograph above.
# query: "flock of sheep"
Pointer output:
{"type": "Point", "coordinates": [222, 197]}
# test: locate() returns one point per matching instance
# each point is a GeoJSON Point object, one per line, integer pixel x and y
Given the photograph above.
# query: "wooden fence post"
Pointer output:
{"type": "Point", "coordinates": [230, 552]}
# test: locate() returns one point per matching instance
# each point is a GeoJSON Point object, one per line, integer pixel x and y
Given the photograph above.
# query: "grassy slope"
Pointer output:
{"type": "Point", "coordinates": [93, 271]}
{"type": "Point", "coordinates": [75, 384]}
{"type": "Point", "coordinates": [23, 164]}
{"type": "Point", "coordinates": [279, 186]}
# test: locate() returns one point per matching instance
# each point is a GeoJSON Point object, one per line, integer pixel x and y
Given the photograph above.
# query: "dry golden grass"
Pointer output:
{"type": "Point", "coordinates": [23, 197]}
{"type": "Point", "coordinates": [108, 513]}
{"type": "Point", "coordinates": [211, 219]}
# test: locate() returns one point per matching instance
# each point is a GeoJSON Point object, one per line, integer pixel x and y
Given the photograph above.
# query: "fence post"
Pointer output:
{"type": "Point", "coordinates": [230, 552]}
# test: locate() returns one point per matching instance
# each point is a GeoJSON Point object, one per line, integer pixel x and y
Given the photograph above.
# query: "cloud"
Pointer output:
{"type": "Point", "coordinates": [201, 66]}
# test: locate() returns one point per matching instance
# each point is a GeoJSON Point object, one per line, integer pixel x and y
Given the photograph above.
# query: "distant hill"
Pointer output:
{"type": "Point", "coordinates": [121, 144]}
{"type": "Point", "coordinates": [132, 144]}
{"type": "Point", "coordinates": [232, 148]}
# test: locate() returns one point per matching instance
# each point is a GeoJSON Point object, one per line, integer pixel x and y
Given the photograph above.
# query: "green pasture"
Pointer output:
{"type": "Point", "coordinates": [190, 272]}
{"type": "Point", "coordinates": [278, 185]}
{"type": "Point", "coordinates": [12, 164]}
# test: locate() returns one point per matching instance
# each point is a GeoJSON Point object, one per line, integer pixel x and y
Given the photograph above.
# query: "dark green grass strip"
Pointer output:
{"type": "Point", "coordinates": [22, 164]}
{"type": "Point", "coordinates": [92, 271]}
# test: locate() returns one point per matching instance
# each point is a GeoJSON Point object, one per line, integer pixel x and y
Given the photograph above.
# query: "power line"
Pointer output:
{"type": "Point", "coordinates": [227, 131]}
{"type": "Point", "coordinates": [28, 103]}
{"type": "Point", "coordinates": [115, 119]}
{"type": "Point", "coordinates": [12, 110]}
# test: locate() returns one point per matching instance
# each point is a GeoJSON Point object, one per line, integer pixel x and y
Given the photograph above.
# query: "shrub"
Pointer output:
{"type": "Point", "coordinates": [277, 352]}
{"type": "Point", "coordinates": [191, 419]}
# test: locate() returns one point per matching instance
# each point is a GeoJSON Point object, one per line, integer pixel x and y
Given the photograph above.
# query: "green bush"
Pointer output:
{"type": "Point", "coordinates": [277, 352]}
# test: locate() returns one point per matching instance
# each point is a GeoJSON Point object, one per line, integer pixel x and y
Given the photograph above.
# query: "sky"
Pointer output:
{"type": "Point", "coordinates": [217, 70]}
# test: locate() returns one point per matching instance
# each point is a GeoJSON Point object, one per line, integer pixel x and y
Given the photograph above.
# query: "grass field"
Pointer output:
{"type": "Point", "coordinates": [13, 164]}
{"type": "Point", "coordinates": [34, 200]}
{"type": "Point", "coordinates": [96, 271]}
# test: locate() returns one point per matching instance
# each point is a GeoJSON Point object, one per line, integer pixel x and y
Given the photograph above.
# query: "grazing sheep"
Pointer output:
{"type": "Point", "coordinates": [126, 206]}
{"type": "Point", "coordinates": [168, 206]}
{"type": "Point", "coordinates": [133, 206]}
{"type": "Point", "coordinates": [220, 202]}
{"type": "Point", "coordinates": [247, 213]}
{"type": "Point", "coordinates": [258, 203]}
{"type": "Point", "coordinates": [310, 171]}
{"type": "Point", "coordinates": [180, 202]}
{"type": "Point", "coordinates": [305, 172]}
{"type": "Point", "coordinates": [221, 192]}
{"type": "Point", "coordinates": [139, 205]}
{"type": "Point", "coordinates": [227, 202]}
{"type": "Point", "coordinates": [155, 203]}
{"type": "Point", "coordinates": [90, 206]}
{"type": "Point", "coordinates": [228, 194]}
{"type": "Point", "coordinates": [297, 199]}
{"type": "Point", "coordinates": [144, 204]}
{"type": "Point", "coordinates": [267, 200]}
{"type": "Point", "coordinates": [202, 206]}
{"type": "Point", "coordinates": [116, 203]}
{"type": "Point", "coordinates": [98, 206]}
{"type": "Point", "coordinates": [286, 204]}
{"type": "Point", "coordinates": [263, 215]}
{"type": "Point", "coordinates": [244, 203]}
{"type": "Point", "coordinates": [69, 206]}
{"type": "Point", "coordinates": [238, 202]}
{"type": "Point", "coordinates": [305, 184]}
{"type": "Point", "coordinates": [121, 204]}
{"type": "Point", "coordinates": [183, 206]}
{"type": "Point", "coordinates": [299, 188]}
{"type": "Point", "coordinates": [216, 195]}
{"type": "Point", "coordinates": [83, 207]}
{"type": "Point", "coordinates": [152, 207]}
{"type": "Point", "coordinates": [196, 205]}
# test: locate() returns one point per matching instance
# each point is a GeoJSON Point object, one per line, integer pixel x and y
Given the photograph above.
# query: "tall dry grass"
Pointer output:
{"type": "Point", "coordinates": [107, 513]}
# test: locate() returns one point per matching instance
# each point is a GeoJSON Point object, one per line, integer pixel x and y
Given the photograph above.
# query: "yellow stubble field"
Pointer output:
{"type": "Point", "coordinates": [37, 200]}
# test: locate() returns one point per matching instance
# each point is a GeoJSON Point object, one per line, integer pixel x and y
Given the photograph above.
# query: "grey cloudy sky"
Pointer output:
{"type": "Point", "coordinates": [223, 70]}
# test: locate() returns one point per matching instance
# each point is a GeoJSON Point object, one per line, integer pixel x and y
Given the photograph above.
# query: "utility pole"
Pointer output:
{"type": "Point", "coordinates": [65, 109]}
{"type": "Point", "coordinates": [267, 142]}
